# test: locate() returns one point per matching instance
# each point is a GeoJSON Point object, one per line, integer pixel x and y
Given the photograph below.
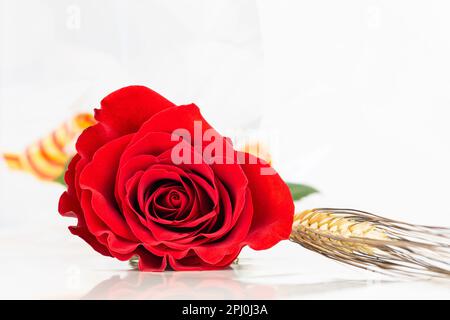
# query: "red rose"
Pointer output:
{"type": "Point", "coordinates": [132, 197]}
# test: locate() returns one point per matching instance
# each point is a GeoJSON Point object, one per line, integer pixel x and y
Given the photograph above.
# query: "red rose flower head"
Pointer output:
{"type": "Point", "coordinates": [143, 183]}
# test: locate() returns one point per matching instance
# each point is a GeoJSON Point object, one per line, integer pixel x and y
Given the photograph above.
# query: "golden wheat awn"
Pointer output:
{"type": "Point", "coordinates": [374, 243]}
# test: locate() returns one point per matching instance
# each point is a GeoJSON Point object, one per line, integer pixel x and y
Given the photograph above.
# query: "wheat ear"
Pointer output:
{"type": "Point", "coordinates": [374, 243]}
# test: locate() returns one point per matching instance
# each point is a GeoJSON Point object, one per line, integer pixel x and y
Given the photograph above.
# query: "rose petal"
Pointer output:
{"type": "Point", "coordinates": [117, 246]}
{"type": "Point", "coordinates": [182, 117]}
{"type": "Point", "coordinates": [69, 206]}
{"type": "Point", "coordinates": [192, 262]}
{"type": "Point", "coordinates": [150, 262]}
{"type": "Point", "coordinates": [125, 110]}
{"type": "Point", "coordinates": [232, 241]}
{"type": "Point", "coordinates": [99, 177]}
{"type": "Point", "coordinates": [273, 206]}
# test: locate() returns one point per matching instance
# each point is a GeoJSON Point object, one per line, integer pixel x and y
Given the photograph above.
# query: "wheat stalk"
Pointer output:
{"type": "Point", "coordinates": [374, 243]}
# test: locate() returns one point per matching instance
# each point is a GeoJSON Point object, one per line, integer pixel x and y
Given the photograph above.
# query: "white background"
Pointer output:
{"type": "Point", "coordinates": [357, 94]}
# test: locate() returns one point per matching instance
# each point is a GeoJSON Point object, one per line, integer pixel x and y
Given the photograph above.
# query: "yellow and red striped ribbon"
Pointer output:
{"type": "Point", "coordinates": [47, 158]}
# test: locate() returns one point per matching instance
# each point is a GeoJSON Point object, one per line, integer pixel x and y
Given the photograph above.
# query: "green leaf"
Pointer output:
{"type": "Point", "coordinates": [299, 191]}
{"type": "Point", "coordinates": [60, 179]}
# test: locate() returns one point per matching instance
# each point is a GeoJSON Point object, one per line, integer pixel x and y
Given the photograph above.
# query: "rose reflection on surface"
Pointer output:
{"type": "Point", "coordinates": [243, 281]}
{"type": "Point", "coordinates": [179, 285]}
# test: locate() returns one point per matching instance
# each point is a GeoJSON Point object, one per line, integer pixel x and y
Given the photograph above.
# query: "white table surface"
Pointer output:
{"type": "Point", "coordinates": [51, 264]}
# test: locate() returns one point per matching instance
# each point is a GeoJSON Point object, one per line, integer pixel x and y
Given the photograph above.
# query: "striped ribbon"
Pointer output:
{"type": "Point", "coordinates": [47, 158]}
